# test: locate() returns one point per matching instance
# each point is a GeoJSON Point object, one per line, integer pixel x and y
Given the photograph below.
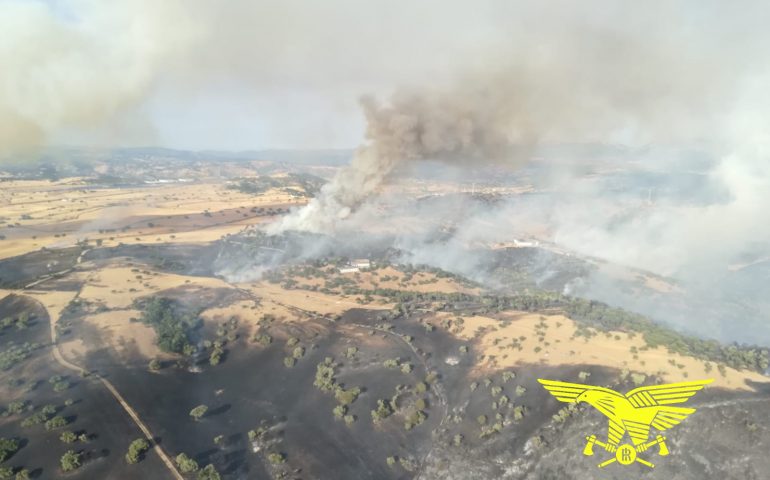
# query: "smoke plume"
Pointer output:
{"type": "Point", "coordinates": [80, 63]}
{"type": "Point", "coordinates": [415, 126]}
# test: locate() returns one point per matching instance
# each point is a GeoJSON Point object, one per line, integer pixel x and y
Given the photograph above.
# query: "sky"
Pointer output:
{"type": "Point", "coordinates": [237, 75]}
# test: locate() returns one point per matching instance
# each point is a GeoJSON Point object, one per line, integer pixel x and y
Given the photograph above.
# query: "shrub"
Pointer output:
{"type": "Point", "coordinates": [198, 412]}
{"type": "Point", "coordinates": [70, 461]}
{"type": "Point", "coordinates": [56, 422]}
{"type": "Point", "coordinates": [276, 458]}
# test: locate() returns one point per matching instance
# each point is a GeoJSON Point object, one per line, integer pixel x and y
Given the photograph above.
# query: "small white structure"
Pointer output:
{"type": "Point", "coordinates": [361, 263]}
{"type": "Point", "coordinates": [452, 361]}
{"type": "Point", "coordinates": [525, 243]}
{"type": "Point", "coordinates": [349, 269]}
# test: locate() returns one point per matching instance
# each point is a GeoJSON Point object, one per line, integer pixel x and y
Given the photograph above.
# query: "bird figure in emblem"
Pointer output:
{"type": "Point", "coordinates": [634, 412]}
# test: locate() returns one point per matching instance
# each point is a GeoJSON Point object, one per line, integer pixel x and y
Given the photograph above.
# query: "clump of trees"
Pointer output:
{"type": "Point", "coordinates": [414, 418]}
{"type": "Point", "coordinates": [14, 408]}
{"type": "Point", "coordinates": [12, 354]}
{"type": "Point", "coordinates": [172, 328]}
{"type": "Point", "coordinates": [56, 422]}
{"type": "Point", "coordinates": [8, 446]}
{"type": "Point", "coordinates": [21, 322]}
{"type": "Point", "coordinates": [325, 381]}
{"type": "Point", "coordinates": [383, 410]}
{"type": "Point", "coordinates": [209, 473]}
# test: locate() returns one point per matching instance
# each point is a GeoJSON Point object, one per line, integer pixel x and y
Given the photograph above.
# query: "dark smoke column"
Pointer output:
{"type": "Point", "coordinates": [415, 126]}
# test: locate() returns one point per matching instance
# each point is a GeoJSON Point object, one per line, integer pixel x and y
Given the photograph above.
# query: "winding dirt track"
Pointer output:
{"type": "Point", "coordinates": [57, 355]}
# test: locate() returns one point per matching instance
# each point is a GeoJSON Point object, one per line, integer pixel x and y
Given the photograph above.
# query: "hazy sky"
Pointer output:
{"type": "Point", "coordinates": [286, 73]}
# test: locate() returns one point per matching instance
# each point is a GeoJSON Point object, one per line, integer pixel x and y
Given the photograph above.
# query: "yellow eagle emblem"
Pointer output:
{"type": "Point", "coordinates": [633, 413]}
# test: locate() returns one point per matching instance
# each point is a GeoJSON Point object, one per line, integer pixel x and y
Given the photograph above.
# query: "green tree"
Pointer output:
{"type": "Point", "coordinates": [209, 473]}
{"type": "Point", "coordinates": [136, 449]}
{"type": "Point", "coordinates": [216, 356]}
{"type": "Point", "coordinates": [68, 437]}
{"type": "Point", "coordinates": [186, 464]}
{"type": "Point", "coordinates": [22, 474]}
{"type": "Point", "coordinates": [276, 458]}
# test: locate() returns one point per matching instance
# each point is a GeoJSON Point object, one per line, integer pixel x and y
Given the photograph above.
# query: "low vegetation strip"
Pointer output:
{"type": "Point", "coordinates": [591, 314]}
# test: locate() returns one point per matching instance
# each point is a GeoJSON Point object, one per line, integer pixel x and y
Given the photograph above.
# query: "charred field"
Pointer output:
{"type": "Point", "coordinates": [85, 405]}
{"type": "Point", "coordinates": [394, 371]}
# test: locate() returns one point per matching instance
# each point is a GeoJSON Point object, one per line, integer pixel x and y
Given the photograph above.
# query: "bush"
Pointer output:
{"type": "Point", "coordinates": [346, 397]}
{"type": "Point", "coordinates": [199, 412]}
{"type": "Point", "coordinates": [61, 386]}
{"type": "Point", "coordinates": [383, 410]}
{"type": "Point", "coordinates": [68, 437]}
{"type": "Point", "coordinates": [340, 411]}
